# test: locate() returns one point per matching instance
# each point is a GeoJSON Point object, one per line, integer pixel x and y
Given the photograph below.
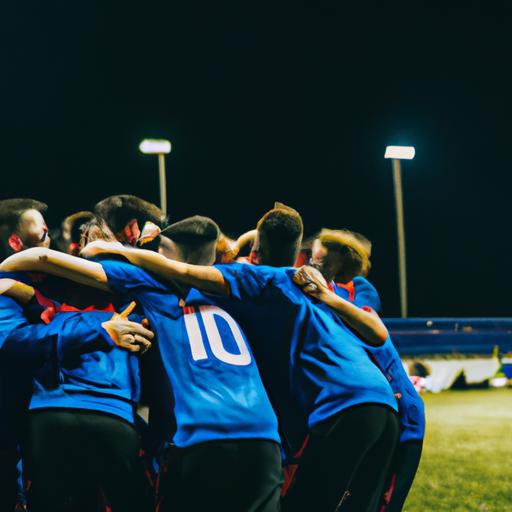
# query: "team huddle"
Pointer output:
{"type": "Point", "coordinates": [155, 367]}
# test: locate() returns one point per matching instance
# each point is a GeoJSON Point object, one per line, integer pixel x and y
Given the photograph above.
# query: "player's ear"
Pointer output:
{"type": "Point", "coordinates": [15, 242]}
{"type": "Point", "coordinates": [132, 232]}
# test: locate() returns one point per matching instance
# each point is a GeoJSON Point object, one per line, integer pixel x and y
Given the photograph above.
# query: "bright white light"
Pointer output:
{"type": "Point", "coordinates": [400, 152]}
{"type": "Point", "coordinates": [155, 146]}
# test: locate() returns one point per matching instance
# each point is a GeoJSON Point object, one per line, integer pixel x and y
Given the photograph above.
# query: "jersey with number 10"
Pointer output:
{"type": "Point", "coordinates": [217, 389]}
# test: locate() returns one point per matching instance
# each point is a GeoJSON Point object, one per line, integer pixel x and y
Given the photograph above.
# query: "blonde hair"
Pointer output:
{"type": "Point", "coordinates": [358, 249]}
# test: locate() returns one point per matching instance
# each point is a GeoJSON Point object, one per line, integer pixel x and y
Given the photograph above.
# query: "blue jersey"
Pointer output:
{"type": "Point", "coordinates": [308, 359]}
{"type": "Point", "coordinates": [217, 390]}
{"type": "Point", "coordinates": [411, 407]}
{"type": "Point", "coordinates": [87, 371]}
{"type": "Point", "coordinates": [15, 382]}
{"type": "Point", "coordinates": [105, 380]}
{"type": "Point", "coordinates": [36, 350]}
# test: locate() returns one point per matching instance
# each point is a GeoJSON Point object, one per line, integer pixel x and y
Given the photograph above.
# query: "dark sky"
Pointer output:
{"type": "Point", "coordinates": [281, 101]}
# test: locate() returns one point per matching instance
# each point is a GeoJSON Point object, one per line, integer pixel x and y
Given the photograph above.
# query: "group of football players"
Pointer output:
{"type": "Point", "coordinates": [151, 366]}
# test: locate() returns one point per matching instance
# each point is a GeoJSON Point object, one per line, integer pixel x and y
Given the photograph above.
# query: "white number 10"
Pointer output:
{"type": "Point", "coordinates": [214, 339]}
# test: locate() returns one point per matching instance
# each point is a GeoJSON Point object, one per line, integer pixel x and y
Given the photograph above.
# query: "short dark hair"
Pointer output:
{"type": "Point", "coordinates": [192, 235]}
{"type": "Point", "coordinates": [192, 230]}
{"type": "Point", "coordinates": [118, 210]}
{"type": "Point", "coordinates": [12, 209]}
{"type": "Point", "coordinates": [10, 212]}
{"type": "Point", "coordinates": [280, 235]}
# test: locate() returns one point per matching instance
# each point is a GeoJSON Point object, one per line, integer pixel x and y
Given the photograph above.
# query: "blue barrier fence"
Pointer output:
{"type": "Point", "coordinates": [444, 336]}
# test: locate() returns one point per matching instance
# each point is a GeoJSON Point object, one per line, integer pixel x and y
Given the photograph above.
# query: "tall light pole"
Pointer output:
{"type": "Point", "coordinates": [397, 153]}
{"type": "Point", "coordinates": [160, 147]}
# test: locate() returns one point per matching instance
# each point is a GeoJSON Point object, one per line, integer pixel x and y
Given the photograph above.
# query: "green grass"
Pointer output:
{"type": "Point", "coordinates": [466, 464]}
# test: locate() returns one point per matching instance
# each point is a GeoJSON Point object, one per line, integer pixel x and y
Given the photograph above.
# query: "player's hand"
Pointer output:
{"type": "Point", "coordinates": [101, 247]}
{"type": "Point", "coordinates": [128, 335]}
{"type": "Point", "coordinates": [20, 292]}
{"type": "Point", "coordinates": [311, 282]}
{"type": "Point", "coordinates": [227, 249]}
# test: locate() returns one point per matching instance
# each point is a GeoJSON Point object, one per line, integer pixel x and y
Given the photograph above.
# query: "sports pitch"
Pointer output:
{"type": "Point", "coordinates": [467, 457]}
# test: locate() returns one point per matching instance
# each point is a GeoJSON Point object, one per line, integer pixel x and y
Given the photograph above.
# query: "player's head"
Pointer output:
{"type": "Point", "coordinates": [279, 235]}
{"type": "Point", "coordinates": [95, 229]}
{"type": "Point", "coordinates": [72, 227]}
{"type": "Point", "coordinates": [22, 225]}
{"type": "Point", "coordinates": [341, 254]}
{"type": "Point", "coordinates": [191, 240]}
{"type": "Point", "coordinates": [125, 215]}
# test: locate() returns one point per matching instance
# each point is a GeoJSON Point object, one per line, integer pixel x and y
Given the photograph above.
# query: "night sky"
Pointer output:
{"type": "Point", "coordinates": [293, 102]}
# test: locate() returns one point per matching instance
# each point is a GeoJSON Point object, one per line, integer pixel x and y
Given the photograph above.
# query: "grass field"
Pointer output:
{"type": "Point", "coordinates": [467, 458]}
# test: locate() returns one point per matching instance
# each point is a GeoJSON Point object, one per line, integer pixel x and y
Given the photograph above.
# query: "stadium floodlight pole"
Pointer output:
{"type": "Point", "coordinates": [160, 147]}
{"type": "Point", "coordinates": [397, 153]}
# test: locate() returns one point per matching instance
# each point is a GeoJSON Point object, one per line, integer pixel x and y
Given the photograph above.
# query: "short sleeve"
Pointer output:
{"type": "Point", "coordinates": [245, 281]}
{"type": "Point", "coordinates": [124, 277]}
{"type": "Point", "coordinates": [11, 316]}
{"type": "Point", "coordinates": [366, 294]}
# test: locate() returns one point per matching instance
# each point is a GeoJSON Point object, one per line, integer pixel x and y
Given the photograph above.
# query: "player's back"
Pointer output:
{"type": "Point", "coordinates": [295, 338]}
{"type": "Point", "coordinates": [217, 389]}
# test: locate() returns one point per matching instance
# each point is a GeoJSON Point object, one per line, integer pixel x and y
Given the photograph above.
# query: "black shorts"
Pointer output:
{"type": "Point", "coordinates": [346, 461]}
{"type": "Point", "coordinates": [71, 454]}
{"type": "Point", "coordinates": [8, 478]}
{"type": "Point", "coordinates": [403, 470]}
{"type": "Point", "coordinates": [228, 476]}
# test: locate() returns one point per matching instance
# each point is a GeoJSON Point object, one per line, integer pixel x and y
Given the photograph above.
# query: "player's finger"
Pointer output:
{"type": "Point", "coordinates": [299, 278]}
{"type": "Point", "coordinates": [142, 331]}
{"type": "Point", "coordinates": [144, 343]}
{"type": "Point", "coordinates": [129, 345]}
{"type": "Point", "coordinates": [310, 288]}
{"type": "Point", "coordinates": [127, 312]}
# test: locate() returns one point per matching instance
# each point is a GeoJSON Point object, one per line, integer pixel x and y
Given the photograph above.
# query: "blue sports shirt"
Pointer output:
{"type": "Point", "coordinates": [410, 406]}
{"type": "Point", "coordinates": [218, 393]}
{"type": "Point", "coordinates": [86, 371]}
{"type": "Point", "coordinates": [308, 359]}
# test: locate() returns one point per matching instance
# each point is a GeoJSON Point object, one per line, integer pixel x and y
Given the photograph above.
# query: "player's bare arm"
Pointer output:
{"type": "Point", "coordinates": [367, 324]}
{"type": "Point", "coordinates": [125, 334]}
{"type": "Point", "coordinates": [205, 278]}
{"type": "Point", "coordinates": [40, 259]}
{"type": "Point", "coordinates": [20, 292]}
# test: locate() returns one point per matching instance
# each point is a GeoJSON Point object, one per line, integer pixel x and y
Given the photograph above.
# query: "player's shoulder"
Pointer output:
{"type": "Point", "coordinates": [118, 269]}
{"type": "Point", "coordinates": [263, 272]}
{"type": "Point", "coordinates": [8, 305]}
{"type": "Point", "coordinates": [362, 284]}
{"type": "Point", "coordinates": [366, 294]}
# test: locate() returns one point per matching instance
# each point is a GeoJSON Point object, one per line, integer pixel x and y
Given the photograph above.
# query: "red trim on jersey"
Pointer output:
{"type": "Point", "coordinates": [109, 308]}
{"type": "Point", "coordinates": [52, 309]}
{"type": "Point", "coordinates": [350, 288]}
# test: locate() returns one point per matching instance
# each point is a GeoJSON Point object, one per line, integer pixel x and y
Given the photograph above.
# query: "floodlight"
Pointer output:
{"type": "Point", "coordinates": [400, 152]}
{"type": "Point", "coordinates": [155, 146]}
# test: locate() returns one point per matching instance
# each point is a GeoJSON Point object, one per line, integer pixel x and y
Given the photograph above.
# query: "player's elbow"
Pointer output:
{"type": "Point", "coordinates": [100, 277]}
{"type": "Point", "coordinates": [380, 336]}
{"type": "Point", "coordinates": [376, 335]}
